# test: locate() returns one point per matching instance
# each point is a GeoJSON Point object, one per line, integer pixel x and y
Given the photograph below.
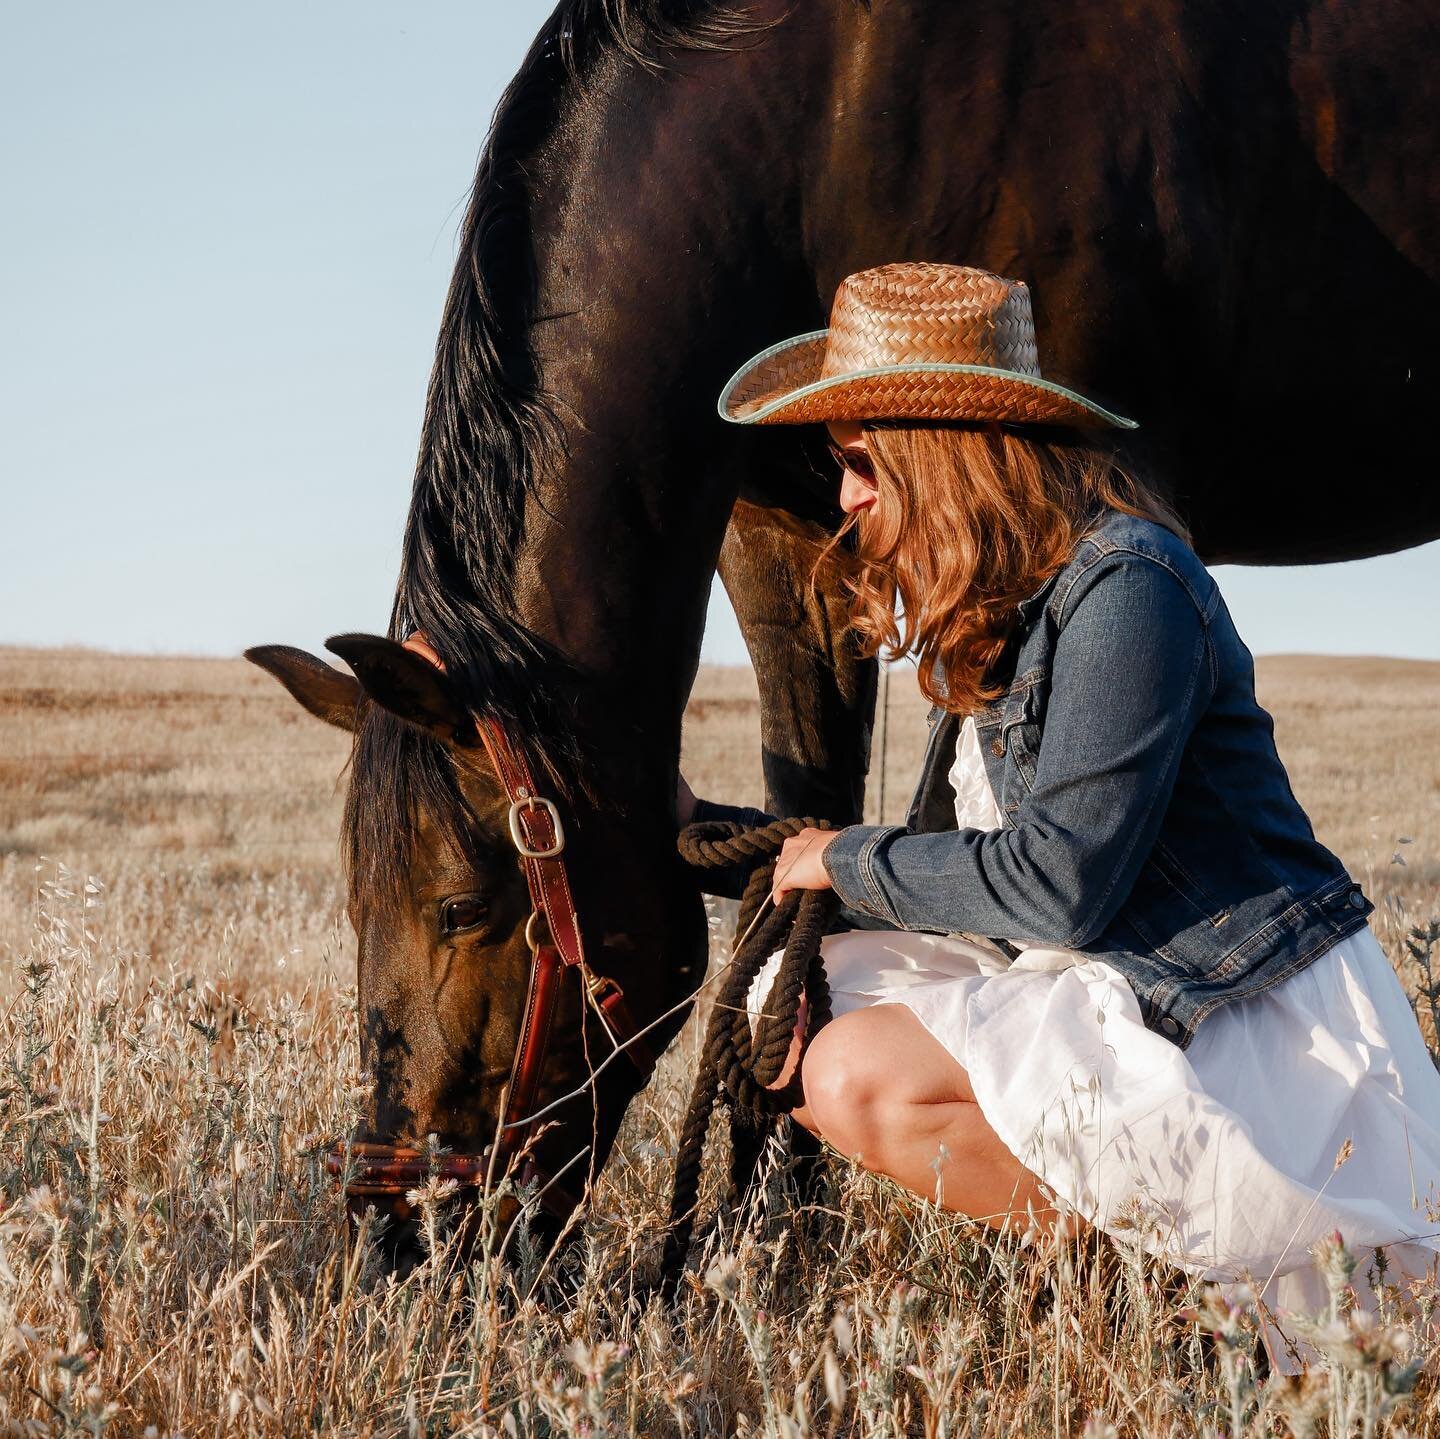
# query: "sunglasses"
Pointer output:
{"type": "Point", "coordinates": [857, 461]}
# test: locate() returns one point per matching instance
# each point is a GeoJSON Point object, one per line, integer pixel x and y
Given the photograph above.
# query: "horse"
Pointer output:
{"type": "Point", "coordinates": [1227, 218]}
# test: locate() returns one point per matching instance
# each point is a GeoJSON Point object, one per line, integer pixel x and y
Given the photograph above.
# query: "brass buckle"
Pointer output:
{"type": "Point", "coordinates": [599, 984]}
{"type": "Point", "coordinates": [518, 835]}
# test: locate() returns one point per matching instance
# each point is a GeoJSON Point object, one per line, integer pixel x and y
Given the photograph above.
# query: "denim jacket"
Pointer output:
{"type": "Point", "coordinates": [1147, 820]}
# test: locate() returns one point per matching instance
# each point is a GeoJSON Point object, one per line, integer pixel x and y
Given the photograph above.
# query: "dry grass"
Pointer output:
{"type": "Point", "coordinates": [178, 1035]}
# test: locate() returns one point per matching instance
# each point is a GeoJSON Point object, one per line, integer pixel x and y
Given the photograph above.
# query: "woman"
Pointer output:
{"type": "Point", "coordinates": [1105, 972]}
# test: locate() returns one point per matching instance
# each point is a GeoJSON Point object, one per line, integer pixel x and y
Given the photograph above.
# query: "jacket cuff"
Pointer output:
{"type": "Point", "coordinates": [848, 860]}
{"type": "Point", "coordinates": [730, 881]}
{"type": "Point", "coordinates": [709, 809]}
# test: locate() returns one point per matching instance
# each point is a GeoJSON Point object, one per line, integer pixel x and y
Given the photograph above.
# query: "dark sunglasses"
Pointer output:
{"type": "Point", "coordinates": [855, 460]}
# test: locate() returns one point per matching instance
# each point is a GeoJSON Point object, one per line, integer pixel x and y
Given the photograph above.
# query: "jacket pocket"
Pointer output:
{"type": "Point", "coordinates": [1172, 912]}
{"type": "Point", "coordinates": [1183, 883]}
{"type": "Point", "coordinates": [1021, 723]}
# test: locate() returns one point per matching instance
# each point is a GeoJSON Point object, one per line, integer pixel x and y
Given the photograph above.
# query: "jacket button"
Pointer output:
{"type": "Point", "coordinates": [1357, 900]}
{"type": "Point", "coordinates": [1170, 1025]}
{"type": "Point", "coordinates": [997, 746]}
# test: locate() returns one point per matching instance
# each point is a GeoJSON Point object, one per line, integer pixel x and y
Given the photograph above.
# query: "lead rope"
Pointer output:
{"type": "Point", "coordinates": [884, 738]}
{"type": "Point", "coordinates": [735, 1070]}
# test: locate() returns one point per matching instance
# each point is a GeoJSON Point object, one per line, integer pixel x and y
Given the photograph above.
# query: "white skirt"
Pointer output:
{"type": "Point", "coordinates": [1221, 1157]}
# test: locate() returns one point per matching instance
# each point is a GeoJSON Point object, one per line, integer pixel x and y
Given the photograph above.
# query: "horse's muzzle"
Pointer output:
{"type": "Point", "coordinates": [383, 1176]}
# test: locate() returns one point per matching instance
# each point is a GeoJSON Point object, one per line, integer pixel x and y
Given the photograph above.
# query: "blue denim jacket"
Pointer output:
{"type": "Point", "coordinates": [1146, 817]}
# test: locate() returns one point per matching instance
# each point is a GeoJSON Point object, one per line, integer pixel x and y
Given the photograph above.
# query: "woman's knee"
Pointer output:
{"type": "Point", "coordinates": [870, 1074]}
{"type": "Point", "coordinates": [850, 1087]}
{"type": "Point", "coordinates": [840, 1083]}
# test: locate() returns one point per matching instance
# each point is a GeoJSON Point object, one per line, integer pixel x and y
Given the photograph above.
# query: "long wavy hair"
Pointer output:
{"type": "Point", "coordinates": [970, 520]}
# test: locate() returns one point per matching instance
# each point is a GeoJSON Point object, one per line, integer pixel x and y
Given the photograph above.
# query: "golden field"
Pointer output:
{"type": "Point", "coordinates": [177, 1015]}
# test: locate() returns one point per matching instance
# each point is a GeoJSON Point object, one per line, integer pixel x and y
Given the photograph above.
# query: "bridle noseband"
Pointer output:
{"type": "Point", "coordinates": [373, 1171]}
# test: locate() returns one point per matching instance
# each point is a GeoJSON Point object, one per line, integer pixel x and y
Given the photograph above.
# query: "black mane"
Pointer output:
{"type": "Point", "coordinates": [489, 436]}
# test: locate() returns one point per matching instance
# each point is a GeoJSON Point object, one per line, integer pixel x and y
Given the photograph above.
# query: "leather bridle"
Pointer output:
{"type": "Point", "coordinates": [384, 1172]}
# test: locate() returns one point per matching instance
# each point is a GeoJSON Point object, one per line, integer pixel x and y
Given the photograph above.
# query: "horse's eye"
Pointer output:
{"type": "Point", "coordinates": [465, 912]}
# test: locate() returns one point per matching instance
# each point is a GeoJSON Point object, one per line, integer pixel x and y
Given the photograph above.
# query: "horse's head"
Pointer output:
{"type": "Point", "coordinates": [477, 1008]}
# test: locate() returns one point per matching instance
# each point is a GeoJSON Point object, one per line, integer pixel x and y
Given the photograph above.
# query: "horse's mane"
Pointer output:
{"type": "Point", "coordinates": [490, 434]}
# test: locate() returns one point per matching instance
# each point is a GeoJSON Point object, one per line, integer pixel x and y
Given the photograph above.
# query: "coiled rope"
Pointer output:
{"type": "Point", "coordinates": [736, 1071]}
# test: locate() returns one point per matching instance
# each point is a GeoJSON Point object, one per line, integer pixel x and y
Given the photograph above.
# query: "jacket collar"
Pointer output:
{"type": "Point", "coordinates": [1032, 602]}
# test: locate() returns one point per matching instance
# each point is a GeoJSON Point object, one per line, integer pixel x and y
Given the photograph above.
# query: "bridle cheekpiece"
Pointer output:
{"type": "Point", "coordinates": [372, 1171]}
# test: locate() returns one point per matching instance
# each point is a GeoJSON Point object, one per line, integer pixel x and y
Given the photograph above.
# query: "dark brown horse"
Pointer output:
{"type": "Point", "coordinates": [1227, 215]}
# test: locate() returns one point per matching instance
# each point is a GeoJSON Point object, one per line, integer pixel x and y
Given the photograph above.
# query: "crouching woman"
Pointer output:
{"type": "Point", "coordinates": [1105, 973]}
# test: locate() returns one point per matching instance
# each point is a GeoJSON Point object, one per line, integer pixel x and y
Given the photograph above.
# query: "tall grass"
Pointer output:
{"type": "Point", "coordinates": [178, 1044]}
{"type": "Point", "coordinates": [174, 1261]}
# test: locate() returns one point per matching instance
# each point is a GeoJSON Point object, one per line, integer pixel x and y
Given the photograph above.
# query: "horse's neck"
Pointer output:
{"type": "Point", "coordinates": [650, 296]}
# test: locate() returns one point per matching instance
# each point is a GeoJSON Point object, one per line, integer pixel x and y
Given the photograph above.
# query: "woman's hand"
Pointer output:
{"type": "Point", "coordinates": [798, 865]}
{"type": "Point", "coordinates": [684, 801]}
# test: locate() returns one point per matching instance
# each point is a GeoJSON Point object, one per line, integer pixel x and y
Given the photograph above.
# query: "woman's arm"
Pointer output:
{"type": "Point", "coordinates": [708, 809]}
{"type": "Point", "coordinates": [729, 882]}
{"type": "Point", "coordinates": [1133, 671]}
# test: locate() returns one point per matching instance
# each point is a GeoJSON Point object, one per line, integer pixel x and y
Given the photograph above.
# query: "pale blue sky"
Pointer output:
{"type": "Point", "coordinates": [226, 233]}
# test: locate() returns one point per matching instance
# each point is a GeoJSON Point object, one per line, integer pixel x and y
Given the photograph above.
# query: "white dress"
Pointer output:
{"type": "Point", "coordinates": [1220, 1157]}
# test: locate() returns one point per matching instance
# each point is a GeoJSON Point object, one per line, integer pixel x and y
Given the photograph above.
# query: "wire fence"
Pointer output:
{"type": "Point", "coordinates": [215, 756]}
{"type": "Point", "coordinates": [180, 847]}
{"type": "Point", "coordinates": [218, 755]}
{"type": "Point", "coordinates": [38, 658]}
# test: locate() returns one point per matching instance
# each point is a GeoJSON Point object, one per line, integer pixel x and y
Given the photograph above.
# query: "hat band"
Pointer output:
{"type": "Point", "coordinates": [915, 367]}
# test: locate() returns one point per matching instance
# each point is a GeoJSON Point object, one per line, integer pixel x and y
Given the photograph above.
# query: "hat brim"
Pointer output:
{"type": "Point", "coordinates": [783, 385]}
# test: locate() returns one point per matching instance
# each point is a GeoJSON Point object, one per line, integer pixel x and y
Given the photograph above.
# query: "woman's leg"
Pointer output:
{"type": "Point", "coordinates": [881, 1089]}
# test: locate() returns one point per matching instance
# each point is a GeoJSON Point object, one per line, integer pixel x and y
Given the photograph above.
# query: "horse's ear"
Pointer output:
{"type": "Point", "coordinates": [406, 684]}
{"type": "Point", "coordinates": [329, 694]}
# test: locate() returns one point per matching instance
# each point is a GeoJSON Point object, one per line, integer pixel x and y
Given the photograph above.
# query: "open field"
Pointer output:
{"type": "Point", "coordinates": [177, 1010]}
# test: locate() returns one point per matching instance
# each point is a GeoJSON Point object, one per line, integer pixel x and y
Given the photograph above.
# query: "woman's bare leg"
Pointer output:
{"type": "Point", "coordinates": [882, 1090]}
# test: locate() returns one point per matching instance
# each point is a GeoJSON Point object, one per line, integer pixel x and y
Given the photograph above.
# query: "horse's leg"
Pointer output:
{"type": "Point", "coordinates": [817, 696]}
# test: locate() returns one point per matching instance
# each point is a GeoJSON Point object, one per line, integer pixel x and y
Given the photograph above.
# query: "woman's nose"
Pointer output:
{"type": "Point", "coordinates": [855, 494]}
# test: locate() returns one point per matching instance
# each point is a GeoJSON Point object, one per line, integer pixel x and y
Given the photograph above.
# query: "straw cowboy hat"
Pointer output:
{"type": "Point", "coordinates": [912, 341]}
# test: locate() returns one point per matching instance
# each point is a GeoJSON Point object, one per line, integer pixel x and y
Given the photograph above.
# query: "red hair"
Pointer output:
{"type": "Point", "coordinates": [970, 520]}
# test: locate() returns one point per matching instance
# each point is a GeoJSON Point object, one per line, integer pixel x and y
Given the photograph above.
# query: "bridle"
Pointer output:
{"type": "Point", "coordinates": [384, 1173]}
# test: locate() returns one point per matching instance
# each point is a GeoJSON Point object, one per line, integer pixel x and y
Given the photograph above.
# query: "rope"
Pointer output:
{"type": "Point", "coordinates": [884, 737]}
{"type": "Point", "coordinates": [736, 1071]}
